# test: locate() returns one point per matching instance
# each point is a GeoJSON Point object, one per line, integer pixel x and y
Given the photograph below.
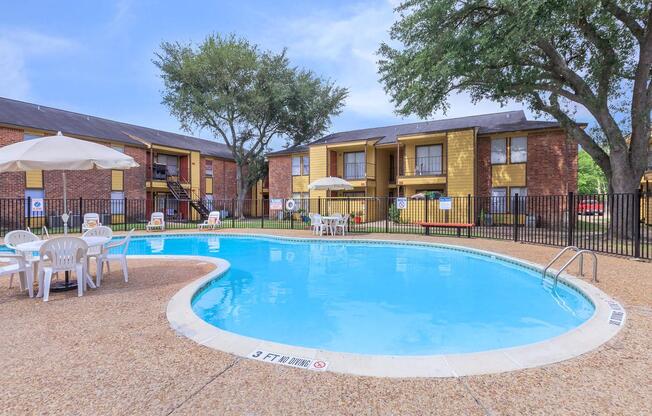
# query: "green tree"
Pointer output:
{"type": "Point", "coordinates": [590, 178]}
{"type": "Point", "coordinates": [555, 56]}
{"type": "Point", "coordinates": [245, 97]}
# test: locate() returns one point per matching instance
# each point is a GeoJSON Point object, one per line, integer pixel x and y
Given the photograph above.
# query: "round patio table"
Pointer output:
{"type": "Point", "coordinates": [67, 284]}
{"type": "Point", "coordinates": [331, 221]}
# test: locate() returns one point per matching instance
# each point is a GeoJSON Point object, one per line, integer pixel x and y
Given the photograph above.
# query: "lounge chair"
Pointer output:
{"type": "Point", "coordinates": [91, 220]}
{"type": "Point", "coordinates": [156, 222]}
{"type": "Point", "coordinates": [212, 221]}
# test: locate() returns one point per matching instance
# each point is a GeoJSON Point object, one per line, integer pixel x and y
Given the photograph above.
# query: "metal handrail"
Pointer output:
{"type": "Point", "coordinates": [574, 248]}
{"type": "Point", "coordinates": [581, 255]}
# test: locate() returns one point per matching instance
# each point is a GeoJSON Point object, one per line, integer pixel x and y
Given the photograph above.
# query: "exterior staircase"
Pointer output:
{"type": "Point", "coordinates": [180, 193]}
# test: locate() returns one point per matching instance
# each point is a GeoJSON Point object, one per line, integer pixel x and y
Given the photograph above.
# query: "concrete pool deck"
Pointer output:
{"type": "Point", "coordinates": [125, 359]}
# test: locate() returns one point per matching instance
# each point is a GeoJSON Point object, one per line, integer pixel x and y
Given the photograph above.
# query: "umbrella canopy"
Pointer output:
{"type": "Point", "coordinates": [62, 153]}
{"type": "Point", "coordinates": [420, 195]}
{"type": "Point", "coordinates": [330, 184]}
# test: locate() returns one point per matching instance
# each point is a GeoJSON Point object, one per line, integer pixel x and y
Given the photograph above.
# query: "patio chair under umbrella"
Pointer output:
{"type": "Point", "coordinates": [61, 153]}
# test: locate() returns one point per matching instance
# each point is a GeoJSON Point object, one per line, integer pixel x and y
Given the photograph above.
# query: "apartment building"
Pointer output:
{"type": "Point", "coordinates": [498, 154]}
{"type": "Point", "coordinates": [179, 173]}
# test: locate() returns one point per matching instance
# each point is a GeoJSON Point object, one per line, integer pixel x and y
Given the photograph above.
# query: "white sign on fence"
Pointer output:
{"type": "Point", "coordinates": [445, 202]}
{"type": "Point", "coordinates": [37, 205]}
{"type": "Point", "coordinates": [276, 203]}
{"type": "Point", "coordinates": [401, 203]}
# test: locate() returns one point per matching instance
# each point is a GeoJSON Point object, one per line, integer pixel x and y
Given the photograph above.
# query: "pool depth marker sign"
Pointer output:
{"type": "Point", "coordinates": [289, 360]}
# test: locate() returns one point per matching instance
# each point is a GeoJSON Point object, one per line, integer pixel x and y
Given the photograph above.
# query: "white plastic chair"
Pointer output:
{"type": "Point", "coordinates": [121, 256]}
{"type": "Point", "coordinates": [18, 264]}
{"type": "Point", "coordinates": [212, 221]}
{"type": "Point", "coordinates": [14, 238]}
{"type": "Point", "coordinates": [63, 254]}
{"type": "Point", "coordinates": [342, 224]}
{"type": "Point", "coordinates": [91, 220]}
{"type": "Point", "coordinates": [157, 221]}
{"type": "Point", "coordinates": [95, 251]}
{"type": "Point", "coordinates": [317, 225]}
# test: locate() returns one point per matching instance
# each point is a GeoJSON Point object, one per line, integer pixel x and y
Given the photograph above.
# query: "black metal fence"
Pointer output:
{"type": "Point", "coordinates": [618, 224]}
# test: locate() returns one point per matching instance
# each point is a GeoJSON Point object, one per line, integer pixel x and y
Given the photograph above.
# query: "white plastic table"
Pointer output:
{"type": "Point", "coordinates": [35, 246]}
{"type": "Point", "coordinates": [331, 220]}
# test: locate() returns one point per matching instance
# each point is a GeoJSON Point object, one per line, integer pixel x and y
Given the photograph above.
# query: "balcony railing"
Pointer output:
{"type": "Point", "coordinates": [359, 170]}
{"type": "Point", "coordinates": [423, 166]}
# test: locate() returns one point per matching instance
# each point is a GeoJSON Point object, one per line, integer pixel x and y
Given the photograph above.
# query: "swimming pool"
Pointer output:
{"type": "Point", "coordinates": [374, 298]}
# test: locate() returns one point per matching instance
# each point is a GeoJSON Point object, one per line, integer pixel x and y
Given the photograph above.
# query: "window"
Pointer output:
{"type": "Point", "coordinates": [208, 168]}
{"type": "Point", "coordinates": [498, 151]}
{"type": "Point", "coordinates": [208, 201]}
{"type": "Point", "coordinates": [117, 202]}
{"type": "Point", "coordinates": [354, 165]}
{"type": "Point", "coordinates": [171, 162]}
{"type": "Point", "coordinates": [428, 160]}
{"type": "Point", "coordinates": [34, 194]}
{"type": "Point", "coordinates": [522, 192]}
{"type": "Point", "coordinates": [302, 200]}
{"type": "Point", "coordinates": [296, 165]}
{"type": "Point", "coordinates": [498, 200]}
{"type": "Point", "coordinates": [306, 165]}
{"type": "Point", "coordinates": [518, 150]}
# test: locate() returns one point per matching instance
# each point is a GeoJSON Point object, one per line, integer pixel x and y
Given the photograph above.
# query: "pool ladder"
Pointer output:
{"type": "Point", "coordinates": [578, 253]}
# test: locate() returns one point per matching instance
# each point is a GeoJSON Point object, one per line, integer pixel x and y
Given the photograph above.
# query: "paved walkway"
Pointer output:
{"type": "Point", "coordinates": [112, 352]}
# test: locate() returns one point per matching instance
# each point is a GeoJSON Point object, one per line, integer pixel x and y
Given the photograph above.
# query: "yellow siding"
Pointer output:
{"type": "Point", "coordinates": [318, 169]}
{"type": "Point", "coordinates": [461, 163]}
{"type": "Point", "coordinates": [508, 175]}
{"type": "Point", "coordinates": [195, 178]}
{"type": "Point", "coordinates": [382, 172]}
{"type": "Point", "coordinates": [117, 219]}
{"type": "Point", "coordinates": [209, 186]}
{"type": "Point", "coordinates": [300, 183]}
{"type": "Point", "coordinates": [117, 180]}
{"type": "Point", "coordinates": [423, 180]}
{"type": "Point", "coordinates": [34, 179]}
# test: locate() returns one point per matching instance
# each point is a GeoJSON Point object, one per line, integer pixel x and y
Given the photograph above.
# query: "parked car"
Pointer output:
{"type": "Point", "coordinates": [590, 207]}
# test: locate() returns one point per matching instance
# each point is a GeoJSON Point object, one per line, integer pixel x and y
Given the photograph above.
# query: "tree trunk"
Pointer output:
{"type": "Point", "coordinates": [624, 184]}
{"type": "Point", "coordinates": [241, 189]}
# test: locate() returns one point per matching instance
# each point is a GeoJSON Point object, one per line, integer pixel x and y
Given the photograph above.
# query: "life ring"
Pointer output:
{"type": "Point", "coordinates": [290, 205]}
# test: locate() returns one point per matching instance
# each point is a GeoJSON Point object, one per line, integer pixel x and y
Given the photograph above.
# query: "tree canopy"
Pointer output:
{"type": "Point", "coordinates": [245, 96]}
{"type": "Point", "coordinates": [558, 57]}
{"type": "Point", "coordinates": [590, 179]}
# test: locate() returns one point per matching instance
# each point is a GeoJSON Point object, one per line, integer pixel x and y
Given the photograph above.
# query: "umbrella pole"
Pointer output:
{"type": "Point", "coordinates": [65, 216]}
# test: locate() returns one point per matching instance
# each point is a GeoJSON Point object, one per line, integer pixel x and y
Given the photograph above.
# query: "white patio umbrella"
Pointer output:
{"type": "Point", "coordinates": [330, 183]}
{"type": "Point", "coordinates": [61, 153]}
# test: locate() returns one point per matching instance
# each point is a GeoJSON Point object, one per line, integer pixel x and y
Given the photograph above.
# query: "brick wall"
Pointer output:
{"type": "Point", "coordinates": [224, 186]}
{"type": "Point", "coordinates": [134, 182]}
{"type": "Point", "coordinates": [280, 177]}
{"type": "Point", "coordinates": [551, 164]}
{"type": "Point", "coordinates": [12, 184]}
{"type": "Point", "coordinates": [484, 167]}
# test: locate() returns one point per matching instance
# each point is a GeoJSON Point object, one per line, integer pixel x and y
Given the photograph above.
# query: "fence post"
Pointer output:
{"type": "Point", "coordinates": [81, 215]}
{"type": "Point", "coordinates": [386, 214]}
{"type": "Point", "coordinates": [232, 213]}
{"type": "Point", "coordinates": [29, 212]}
{"type": "Point", "coordinates": [292, 219]}
{"type": "Point", "coordinates": [516, 214]}
{"type": "Point", "coordinates": [425, 214]}
{"type": "Point", "coordinates": [262, 213]}
{"type": "Point", "coordinates": [570, 207]}
{"type": "Point", "coordinates": [468, 214]}
{"type": "Point", "coordinates": [124, 214]}
{"type": "Point", "coordinates": [165, 211]}
{"type": "Point", "coordinates": [636, 220]}
{"type": "Point", "coordinates": [319, 205]}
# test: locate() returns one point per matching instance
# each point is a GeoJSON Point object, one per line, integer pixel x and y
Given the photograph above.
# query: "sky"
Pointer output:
{"type": "Point", "coordinates": [96, 57]}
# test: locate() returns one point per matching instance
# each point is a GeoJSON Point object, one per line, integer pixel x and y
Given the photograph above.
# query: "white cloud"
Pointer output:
{"type": "Point", "coordinates": [17, 49]}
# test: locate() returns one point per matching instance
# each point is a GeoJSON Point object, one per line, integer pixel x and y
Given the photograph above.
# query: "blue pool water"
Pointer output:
{"type": "Point", "coordinates": [374, 298]}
